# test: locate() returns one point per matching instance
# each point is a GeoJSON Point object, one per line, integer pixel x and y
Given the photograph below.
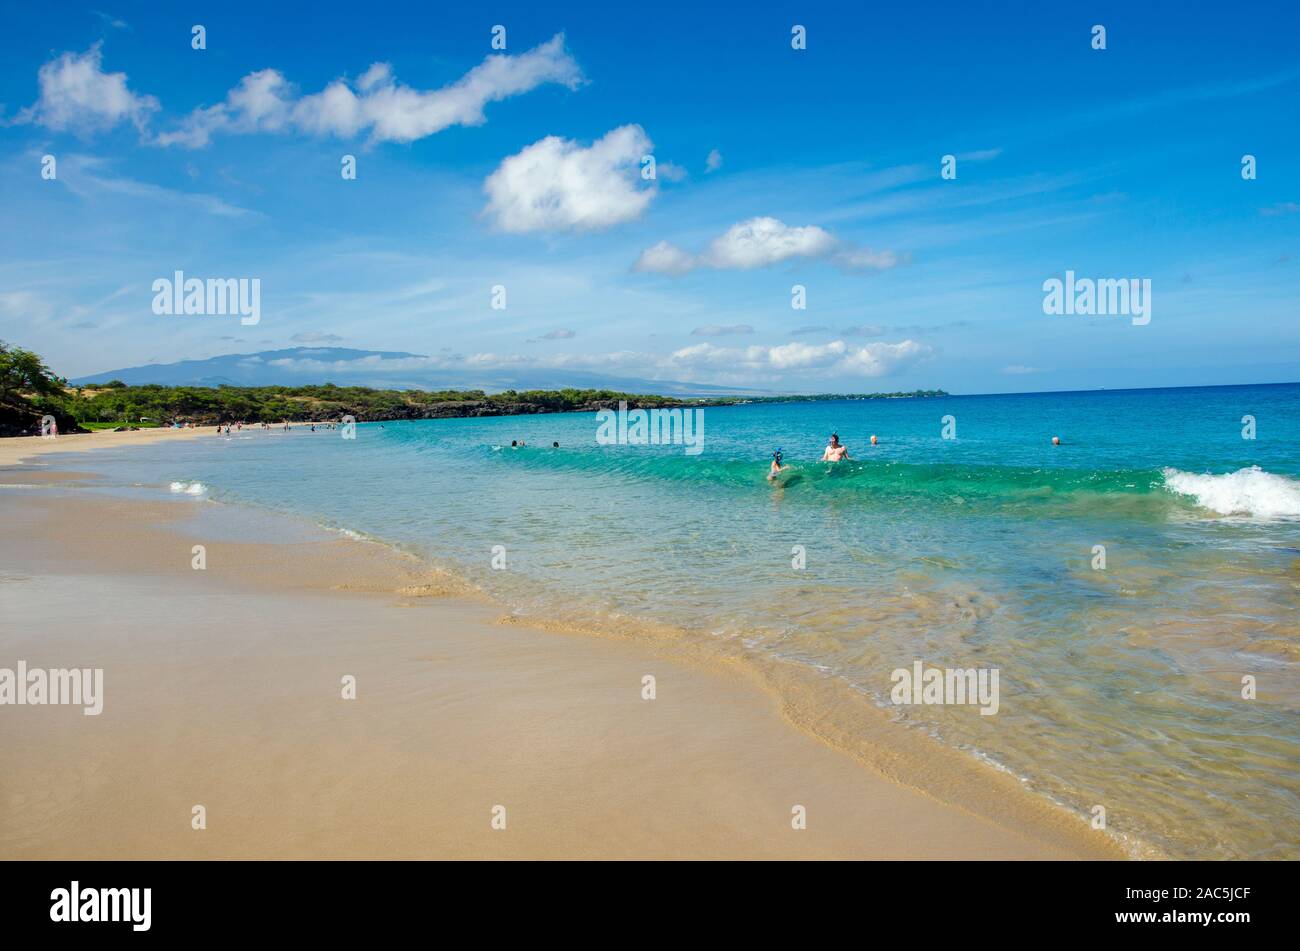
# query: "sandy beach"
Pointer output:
{"type": "Point", "coordinates": [223, 689]}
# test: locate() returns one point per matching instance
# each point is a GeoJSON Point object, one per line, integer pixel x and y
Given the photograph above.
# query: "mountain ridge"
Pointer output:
{"type": "Point", "coordinates": [366, 368]}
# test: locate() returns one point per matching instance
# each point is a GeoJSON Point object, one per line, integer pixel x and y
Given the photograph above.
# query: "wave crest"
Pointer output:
{"type": "Point", "coordinates": [1249, 491]}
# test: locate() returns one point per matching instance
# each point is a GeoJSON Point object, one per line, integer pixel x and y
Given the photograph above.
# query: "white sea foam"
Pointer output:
{"type": "Point", "coordinates": [189, 488]}
{"type": "Point", "coordinates": [1250, 491]}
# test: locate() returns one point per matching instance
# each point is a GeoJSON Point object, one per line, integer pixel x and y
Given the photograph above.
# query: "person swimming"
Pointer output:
{"type": "Point", "coordinates": [776, 468]}
{"type": "Point", "coordinates": [834, 451]}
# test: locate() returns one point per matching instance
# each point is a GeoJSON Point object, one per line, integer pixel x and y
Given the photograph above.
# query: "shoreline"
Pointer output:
{"type": "Point", "coordinates": [883, 791]}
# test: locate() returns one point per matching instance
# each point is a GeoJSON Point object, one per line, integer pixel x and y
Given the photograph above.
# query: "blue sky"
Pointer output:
{"type": "Point", "coordinates": [521, 168]}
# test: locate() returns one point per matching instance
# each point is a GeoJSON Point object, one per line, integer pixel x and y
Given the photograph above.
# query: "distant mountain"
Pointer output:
{"type": "Point", "coordinates": [298, 366]}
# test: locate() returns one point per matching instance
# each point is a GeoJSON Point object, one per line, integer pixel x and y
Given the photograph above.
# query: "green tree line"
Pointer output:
{"type": "Point", "coordinates": [29, 390]}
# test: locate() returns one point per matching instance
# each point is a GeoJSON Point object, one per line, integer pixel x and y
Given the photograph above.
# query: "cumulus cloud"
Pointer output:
{"type": "Point", "coordinates": [78, 96]}
{"type": "Point", "coordinates": [763, 242]}
{"type": "Point", "coordinates": [265, 101]}
{"type": "Point", "coordinates": [557, 185]}
{"type": "Point", "coordinates": [714, 330]}
{"type": "Point", "coordinates": [664, 258]}
{"type": "Point", "coordinates": [760, 242]}
{"type": "Point", "coordinates": [714, 161]}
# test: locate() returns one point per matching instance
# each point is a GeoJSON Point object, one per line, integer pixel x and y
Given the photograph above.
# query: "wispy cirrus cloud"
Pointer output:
{"type": "Point", "coordinates": [1281, 208]}
{"type": "Point", "coordinates": [88, 177]}
{"type": "Point", "coordinates": [312, 337]}
{"type": "Point", "coordinates": [715, 330]}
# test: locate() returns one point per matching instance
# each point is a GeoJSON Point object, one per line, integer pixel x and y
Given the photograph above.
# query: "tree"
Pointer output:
{"type": "Point", "coordinates": [22, 371]}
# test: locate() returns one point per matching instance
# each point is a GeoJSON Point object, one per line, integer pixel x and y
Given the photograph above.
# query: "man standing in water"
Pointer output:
{"type": "Point", "coordinates": [834, 451]}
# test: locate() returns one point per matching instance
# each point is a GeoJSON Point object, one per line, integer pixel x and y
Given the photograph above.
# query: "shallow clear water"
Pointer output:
{"type": "Point", "coordinates": [1118, 686]}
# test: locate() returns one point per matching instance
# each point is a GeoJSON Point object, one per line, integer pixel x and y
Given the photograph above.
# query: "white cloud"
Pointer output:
{"type": "Point", "coordinates": [699, 361]}
{"type": "Point", "coordinates": [670, 172]}
{"type": "Point", "coordinates": [262, 102]}
{"type": "Point", "coordinates": [762, 242]}
{"type": "Point", "coordinates": [664, 258]}
{"type": "Point", "coordinates": [714, 161]}
{"type": "Point", "coordinates": [864, 259]}
{"type": "Point", "coordinates": [1018, 370]}
{"type": "Point", "coordinates": [80, 175]}
{"type": "Point", "coordinates": [836, 358]}
{"type": "Point", "coordinates": [265, 101]}
{"type": "Point", "coordinates": [557, 185]}
{"type": "Point", "coordinates": [77, 95]}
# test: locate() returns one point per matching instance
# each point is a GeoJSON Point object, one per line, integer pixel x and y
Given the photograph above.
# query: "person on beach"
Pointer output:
{"type": "Point", "coordinates": [834, 451]}
{"type": "Point", "coordinates": [776, 467]}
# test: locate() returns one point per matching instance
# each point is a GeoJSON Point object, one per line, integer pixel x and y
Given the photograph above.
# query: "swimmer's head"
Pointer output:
{"type": "Point", "coordinates": [1056, 440]}
{"type": "Point", "coordinates": [835, 439]}
{"type": "Point", "coordinates": [514, 443]}
{"type": "Point", "coordinates": [776, 457]}
{"type": "Point", "coordinates": [874, 440]}
{"type": "Point", "coordinates": [555, 445]}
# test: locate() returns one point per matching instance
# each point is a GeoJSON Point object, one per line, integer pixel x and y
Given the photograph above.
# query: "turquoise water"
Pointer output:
{"type": "Point", "coordinates": [1119, 686]}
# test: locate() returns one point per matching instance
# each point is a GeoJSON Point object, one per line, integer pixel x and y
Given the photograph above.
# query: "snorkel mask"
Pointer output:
{"type": "Point", "coordinates": [776, 457]}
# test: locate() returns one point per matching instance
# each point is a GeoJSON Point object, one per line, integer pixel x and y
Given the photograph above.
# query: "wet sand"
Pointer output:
{"type": "Point", "coordinates": [223, 689]}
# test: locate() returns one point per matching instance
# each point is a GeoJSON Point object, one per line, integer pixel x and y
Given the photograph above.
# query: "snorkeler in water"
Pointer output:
{"type": "Point", "coordinates": [776, 467]}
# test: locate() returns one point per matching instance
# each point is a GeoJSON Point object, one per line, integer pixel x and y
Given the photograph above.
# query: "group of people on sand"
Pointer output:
{"type": "Point", "coordinates": [225, 429]}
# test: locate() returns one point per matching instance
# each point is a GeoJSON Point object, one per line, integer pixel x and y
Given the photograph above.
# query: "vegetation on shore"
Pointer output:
{"type": "Point", "coordinates": [28, 391]}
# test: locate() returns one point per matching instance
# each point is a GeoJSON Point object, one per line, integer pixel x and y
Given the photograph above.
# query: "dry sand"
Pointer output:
{"type": "Point", "coordinates": [223, 689]}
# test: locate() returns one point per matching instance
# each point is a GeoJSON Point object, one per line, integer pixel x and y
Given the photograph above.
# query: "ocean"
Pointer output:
{"type": "Point", "coordinates": [1135, 587]}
